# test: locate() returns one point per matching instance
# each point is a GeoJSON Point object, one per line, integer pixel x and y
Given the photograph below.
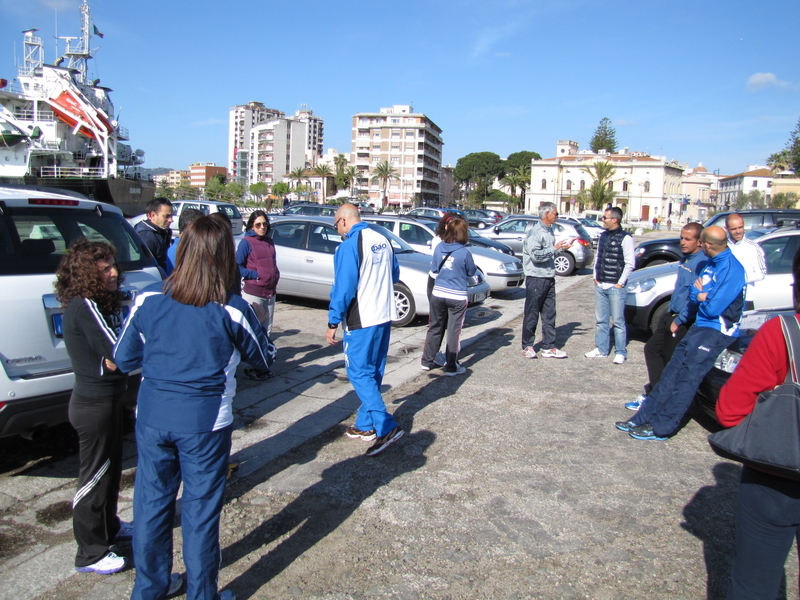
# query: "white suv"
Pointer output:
{"type": "Point", "coordinates": [36, 228]}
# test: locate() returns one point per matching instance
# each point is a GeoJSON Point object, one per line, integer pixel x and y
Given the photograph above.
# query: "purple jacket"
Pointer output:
{"type": "Point", "coordinates": [258, 265]}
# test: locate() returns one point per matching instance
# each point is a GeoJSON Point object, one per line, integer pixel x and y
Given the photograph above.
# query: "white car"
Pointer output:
{"type": "Point", "coordinates": [501, 271]}
{"type": "Point", "coordinates": [650, 289]}
{"type": "Point", "coordinates": [36, 228]}
{"type": "Point", "coordinates": [207, 207]}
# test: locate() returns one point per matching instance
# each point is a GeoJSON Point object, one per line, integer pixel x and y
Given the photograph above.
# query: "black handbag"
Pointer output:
{"type": "Point", "coordinates": [768, 439]}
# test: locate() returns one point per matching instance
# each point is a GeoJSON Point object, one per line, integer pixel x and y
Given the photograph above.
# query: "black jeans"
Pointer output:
{"type": "Point", "coordinates": [540, 299]}
{"type": "Point", "coordinates": [659, 348]}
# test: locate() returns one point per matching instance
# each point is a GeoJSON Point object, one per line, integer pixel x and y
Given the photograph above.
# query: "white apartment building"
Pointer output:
{"type": "Point", "coordinates": [242, 119]}
{"type": "Point", "coordinates": [755, 178]}
{"type": "Point", "coordinates": [276, 148]}
{"type": "Point", "coordinates": [644, 186]}
{"type": "Point", "coordinates": [315, 133]}
{"type": "Point", "coordinates": [411, 143]}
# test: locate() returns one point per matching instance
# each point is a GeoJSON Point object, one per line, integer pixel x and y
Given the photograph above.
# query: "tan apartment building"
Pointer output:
{"type": "Point", "coordinates": [411, 143]}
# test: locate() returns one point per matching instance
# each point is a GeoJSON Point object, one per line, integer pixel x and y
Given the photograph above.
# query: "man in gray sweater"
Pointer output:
{"type": "Point", "coordinates": [538, 253]}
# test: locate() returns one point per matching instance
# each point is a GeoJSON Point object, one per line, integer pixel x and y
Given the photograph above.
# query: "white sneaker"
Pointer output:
{"type": "Point", "coordinates": [595, 354]}
{"type": "Point", "coordinates": [553, 353]}
{"type": "Point", "coordinates": [619, 359]}
{"type": "Point", "coordinates": [110, 563]}
{"type": "Point", "coordinates": [459, 371]}
{"type": "Point", "coordinates": [529, 352]}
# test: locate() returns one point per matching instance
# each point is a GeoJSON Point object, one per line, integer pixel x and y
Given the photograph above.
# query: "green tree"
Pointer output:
{"type": "Point", "coordinates": [521, 159]}
{"type": "Point", "coordinates": [184, 191]}
{"type": "Point", "coordinates": [259, 190]}
{"type": "Point", "coordinates": [779, 161]}
{"type": "Point", "coordinates": [605, 137]}
{"type": "Point", "coordinates": [789, 157]}
{"type": "Point", "coordinates": [350, 174]}
{"type": "Point", "coordinates": [783, 200]}
{"type": "Point", "coordinates": [477, 167]}
{"type": "Point", "coordinates": [602, 172]}
{"type": "Point", "coordinates": [215, 189]}
{"type": "Point", "coordinates": [280, 191]}
{"type": "Point", "coordinates": [325, 172]}
{"type": "Point", "coordinates": [234, 190]}
{"type": "Point", "coordinates": [524, 172]}
{"type": "Point", "coordinates": [164, 190]}
{"type": "Point", "coordinates": [383, 173]}
{"type": "Point", "coordinates": [297, 175]}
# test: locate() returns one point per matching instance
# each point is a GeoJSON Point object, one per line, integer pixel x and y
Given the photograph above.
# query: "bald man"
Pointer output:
{"type": "Point", "coordinates": [365, 270]}
{"type": "Point", "coordinates": [718, 299]}
{"type": "Point", "coordinates": [746, 252]}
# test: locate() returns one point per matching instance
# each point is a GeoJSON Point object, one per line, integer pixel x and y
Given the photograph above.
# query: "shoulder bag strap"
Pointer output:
{"type": "Point", "coordinates": [791, 334]}
{"type": "Point", "coordinates": [444, 260]}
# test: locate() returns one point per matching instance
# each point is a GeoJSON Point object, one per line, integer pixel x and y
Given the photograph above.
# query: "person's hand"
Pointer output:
{"type": "Point", "coordinates": [701, 297]}
{"type": "Point", "coordinates": [330, 336]}
{"type": "Point", "coordinates": [673, 327]}
{"type": "Point", "coordinates": [616, 285]}
{"type": "Point", "coordinates": [698, 283]}
{"type": "Point", "coordinates": [110, 365]}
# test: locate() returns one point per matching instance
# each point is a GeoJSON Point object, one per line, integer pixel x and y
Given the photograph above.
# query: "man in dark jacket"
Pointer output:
{"type": "Point", "coordinates": [155, 231]}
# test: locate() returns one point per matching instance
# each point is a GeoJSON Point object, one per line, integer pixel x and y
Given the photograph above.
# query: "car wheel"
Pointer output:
{"type": "Point", "coordinates": [657, 261]}
{"type": "Point", "coordinates": [564, 264]}
{"type": "Point", "coordinates": [406, 309]}
{"type": "Point", "coordinates": [657, 314]}
{"type": "Point", "coordinates": [481, 225]}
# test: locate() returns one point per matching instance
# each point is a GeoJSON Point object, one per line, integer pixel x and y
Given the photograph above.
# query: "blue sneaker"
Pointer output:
{"type": "Point", "coordinates": [625, 425]}
{"type": "Point", "coordinates": [636, 403]}
{"type": "Point", "coordinates": [645, 432]}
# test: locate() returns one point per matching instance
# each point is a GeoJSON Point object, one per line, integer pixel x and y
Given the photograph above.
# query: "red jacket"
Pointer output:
{"type": "Point", "coordinates": [763, 367]}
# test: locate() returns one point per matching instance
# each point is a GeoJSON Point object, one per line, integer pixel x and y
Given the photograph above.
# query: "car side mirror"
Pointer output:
{"type": "Point", "coordinates": [497, 230]}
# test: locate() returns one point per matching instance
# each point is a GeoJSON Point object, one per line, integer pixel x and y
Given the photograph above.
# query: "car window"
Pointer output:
{"type": "Point", "coordinates": [785, 220]}
{"type": "Point", "coordinates": [230, 211]}
{"type": "Point", "coordinates": [558, 229]}
{"type": "Point", "coordinates": [287, 234]}
{"type": "Point", "coordinates": [414, 234]}
{"type": "Point", "coordinates": [388, 224]}
{"type": "Point", "coordinates": [328, 211]}
{"type": "Point", "coordinates": [514, 226]}
{"type": "Point", "coordinates": [196, 206]}
{"type": "Point", "coordinates": [753, 221]}
{"type": "Point", "coordinates": [780, 252]}
{"type": "Point", "coordinates": [323, 238]}
{"type": "Point", "coordinates": [33, 241]}
{"type": "Point", "coordinates": [293, 210]}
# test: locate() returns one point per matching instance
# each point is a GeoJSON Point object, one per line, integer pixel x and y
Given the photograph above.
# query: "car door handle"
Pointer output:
{"type": "Point", "coordinates": [309, 259]}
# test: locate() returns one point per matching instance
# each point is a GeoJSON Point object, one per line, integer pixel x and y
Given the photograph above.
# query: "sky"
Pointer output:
{"type": "Point", "coordinates": [694, 81]}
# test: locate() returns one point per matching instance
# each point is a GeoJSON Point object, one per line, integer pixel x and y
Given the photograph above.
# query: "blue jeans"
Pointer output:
{"type": "Point", "coordinates": [365, 353]}
{"type": "Point", "coordinates": [610, 303]}
{"type": "Point", "coordinates": [166, 458]}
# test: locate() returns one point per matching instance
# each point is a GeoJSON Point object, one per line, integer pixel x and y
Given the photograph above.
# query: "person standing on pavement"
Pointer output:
{"type": "Point", "coordinates": [87, 284]}
{"type": "Point", "coordinates": [679, 316]}
{"type": "Point", "coordinates": [768, 506]}
{"type": "Point", "coordinates": [612, 266]}
{"type": "Point", "coordinates": [362, 300]}
{"type": "Point", "coordinates": [538, 261]}
{"type": "Point", "coordinates": [719, 297]}
{"type": "Point", "coordinates": [258, 267]}
{"type": "Point", "coordinates": [451, 266]}
{"type": "Point", "coordinates": [187, 216]}
{"type": "Point", "coordinates": [155, 231]}
{"type": "Point", "coordinates": [747, 252]}
{"type": "Point", "coordinates": [187, 337]}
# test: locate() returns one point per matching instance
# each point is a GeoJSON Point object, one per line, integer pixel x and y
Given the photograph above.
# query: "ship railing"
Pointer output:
{"type": "Point", "coordinates": [68, 172]}
{"type": "Point", "coordinates": [27, 114]}
{"type": "Point", "coordinates": [122, 133]}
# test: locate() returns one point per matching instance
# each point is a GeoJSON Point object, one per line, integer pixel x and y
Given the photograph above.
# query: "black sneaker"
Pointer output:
{"type": "Point", "coordinates": [625, 425]}
{"type": "Point", "coordinates": [385, 441]}
{"type": "Point", "coordinates": [257, 375]}
{"type": "Point", "coordinates": [357, 434]}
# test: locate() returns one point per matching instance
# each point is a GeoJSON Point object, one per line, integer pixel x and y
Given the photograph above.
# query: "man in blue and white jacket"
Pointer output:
{"type": "Point", "coordinates": [718, 295]}
{"type": "Point", "coordinates": [362, 300]}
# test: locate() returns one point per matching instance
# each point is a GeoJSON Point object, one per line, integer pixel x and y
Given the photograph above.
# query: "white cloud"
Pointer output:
{"type": "Point", "coordinates": [489, 37]}
{"type": "Point", "coordinates": [760, 81]}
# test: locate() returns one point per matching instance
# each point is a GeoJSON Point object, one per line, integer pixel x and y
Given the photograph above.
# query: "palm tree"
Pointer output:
{"type": "Point", "coordinates": [779, 161]}
{"type": "Point", "coordinates": [351, 174]}
{"type": "Point", "coordinates": [324, 171]}
{"type": "Point", "coordinates": [297, 175]}
{"type": "Point", "coordinates": [603, 173]}
{"type": "Point", "coordinates": [383, 173]}
{"type": "Point", "coordinates": [340, 162]}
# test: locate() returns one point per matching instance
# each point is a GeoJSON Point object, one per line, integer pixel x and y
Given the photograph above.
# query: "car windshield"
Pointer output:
{"type": "Point", "coordinates": [33, 241]}
{"type": "Point", "coordinates": [590, 223]}
{"type": "Point", "coordinates": [399, 245]}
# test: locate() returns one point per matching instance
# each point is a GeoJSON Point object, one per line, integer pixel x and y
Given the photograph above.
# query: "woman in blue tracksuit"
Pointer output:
{"type": "Point", "coordinates": [451, 266]}
{"type": "Point", "coordinates": [188, 339]}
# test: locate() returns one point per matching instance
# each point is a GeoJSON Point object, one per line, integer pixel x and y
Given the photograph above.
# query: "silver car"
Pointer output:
{"type": "Point", "coordinates": [513, 229]}
{"type": "Point", "coordinates": [650, 289]}
{"type": "Point", "coordinates": [304, 247]}
{"type": "Point", "coordinates": [501, 271]}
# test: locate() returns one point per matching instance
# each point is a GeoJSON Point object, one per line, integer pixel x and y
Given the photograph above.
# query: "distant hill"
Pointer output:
{"type": "Point", "coordinates": [156, 171]}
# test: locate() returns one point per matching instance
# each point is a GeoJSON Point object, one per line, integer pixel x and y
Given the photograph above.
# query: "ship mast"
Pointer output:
{"type": "Point", "coordinates": [34, 53]}
{"type": "Point", "coordinates": [78, 51]}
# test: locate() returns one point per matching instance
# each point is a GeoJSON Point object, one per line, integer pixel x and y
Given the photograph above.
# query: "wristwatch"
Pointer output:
{"type": "Point", "coordinates": [333, 326]}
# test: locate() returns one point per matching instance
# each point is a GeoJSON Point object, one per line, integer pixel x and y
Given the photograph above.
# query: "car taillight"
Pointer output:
{"type": "Point", "coordinates": [583, 242]}
{"type": "Point", "coordinates": [53, 202]}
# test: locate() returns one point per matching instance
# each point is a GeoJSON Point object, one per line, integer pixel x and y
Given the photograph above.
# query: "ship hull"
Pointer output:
{"type": "Point", "coordinates": [130, 195]}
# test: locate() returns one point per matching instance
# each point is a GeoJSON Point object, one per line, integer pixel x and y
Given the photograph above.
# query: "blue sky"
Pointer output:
{"type": "Point", "coordinates": [711, 82]}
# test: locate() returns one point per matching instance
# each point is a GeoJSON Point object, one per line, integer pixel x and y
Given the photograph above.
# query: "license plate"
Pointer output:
{"type": "Point", "coordinates": [57, 327]}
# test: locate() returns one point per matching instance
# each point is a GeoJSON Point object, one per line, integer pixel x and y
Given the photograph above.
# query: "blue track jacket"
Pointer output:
{"type": "Point", "coordinates": [724, 280]}
{"type": "Point", "coordinates": [689, 269]}
{"type": "Point", "coordinates": [188, 357]}
{"type": "Point", "coordinates": [365, 271]}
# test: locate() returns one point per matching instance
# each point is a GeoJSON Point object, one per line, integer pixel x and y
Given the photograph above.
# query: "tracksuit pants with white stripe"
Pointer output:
{"type": "Point", "coordinates": [98, 422]}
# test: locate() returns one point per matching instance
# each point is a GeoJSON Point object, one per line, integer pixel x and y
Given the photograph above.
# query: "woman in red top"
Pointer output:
{"type": "Point", "coordinates": [768, 506]}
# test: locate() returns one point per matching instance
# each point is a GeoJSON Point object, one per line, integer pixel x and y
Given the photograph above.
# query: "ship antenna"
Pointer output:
{"type": "Point", "coordinates": [80, 53]}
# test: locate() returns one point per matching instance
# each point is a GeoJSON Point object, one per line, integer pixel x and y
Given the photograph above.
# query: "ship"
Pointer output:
{"type": "Point", "coordinates": [58, 127]}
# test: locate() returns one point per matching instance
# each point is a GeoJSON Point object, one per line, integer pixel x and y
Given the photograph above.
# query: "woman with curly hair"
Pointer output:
{"type": "Point", "coordinates": [87, 282]}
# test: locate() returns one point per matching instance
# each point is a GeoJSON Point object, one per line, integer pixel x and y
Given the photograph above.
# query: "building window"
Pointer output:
{"type": "Point", "coordinates": [569, 184]}
{"type": "Point", "coordinates": [544, 184]}
{"type": "Point", "coordinates": [583, 184]}
{"type": "Point", "coordinates": [755, 183]}
{"type": "Point", "coordinates": [625, 186]}
{"type": "Point", "coordinates": [610, 186]}
{"type": "Point", "coordinates": [646, 187]}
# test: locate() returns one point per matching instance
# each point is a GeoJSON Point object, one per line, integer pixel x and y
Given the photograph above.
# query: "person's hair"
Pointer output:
{"type": "Point", "coordinates": [222, 218]}
{"type": "Point", "coordinates": [78, 275]}
{"type": "Point", "coordinates": [205, 264]}
{"type": "Point", "coordinates": [456, 230]}
{"type": "Point", "coordinates": [253, 216]}
{"type": "Point", "coordinates": [796, 278]}
{"type": "Point", "coordinates": [616, 213]}
{"type": "Point", "coordinates": [155, 205]}
{"type": "Point", "coordinates": [695, 228]}
{"type": "Point", "coordinates": [439, 231]}
{"type": "Point", "coordinates": [546, 207]}
{"type": "Point", "coordinates": [187, 216]}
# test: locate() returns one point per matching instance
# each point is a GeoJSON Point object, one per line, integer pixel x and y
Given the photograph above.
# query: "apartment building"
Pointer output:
{"type": "Point", "coordinates": [315, 133]}
{"type": "Point", "coordinates": [411, 143]}
{"type": "Point", "coordinates": [177, 177]}
{"type": "Point", "coordinates": [644, 186]}
{"type": "Point", "coordinates": [755, 178]}
{"type": "Point", "coordinates": [276, 148]}
{"type": "Point", "coordinates": [241, 120]}
{"type": "Point", "coordinates": [200, 173]}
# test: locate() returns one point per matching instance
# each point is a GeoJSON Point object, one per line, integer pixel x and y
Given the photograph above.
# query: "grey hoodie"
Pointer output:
{"type": "Point", "coordinates": [538, 252]}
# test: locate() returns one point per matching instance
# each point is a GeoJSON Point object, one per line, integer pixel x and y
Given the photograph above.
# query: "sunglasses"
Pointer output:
{"type": "Point", "coordinates": [259, 225]}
